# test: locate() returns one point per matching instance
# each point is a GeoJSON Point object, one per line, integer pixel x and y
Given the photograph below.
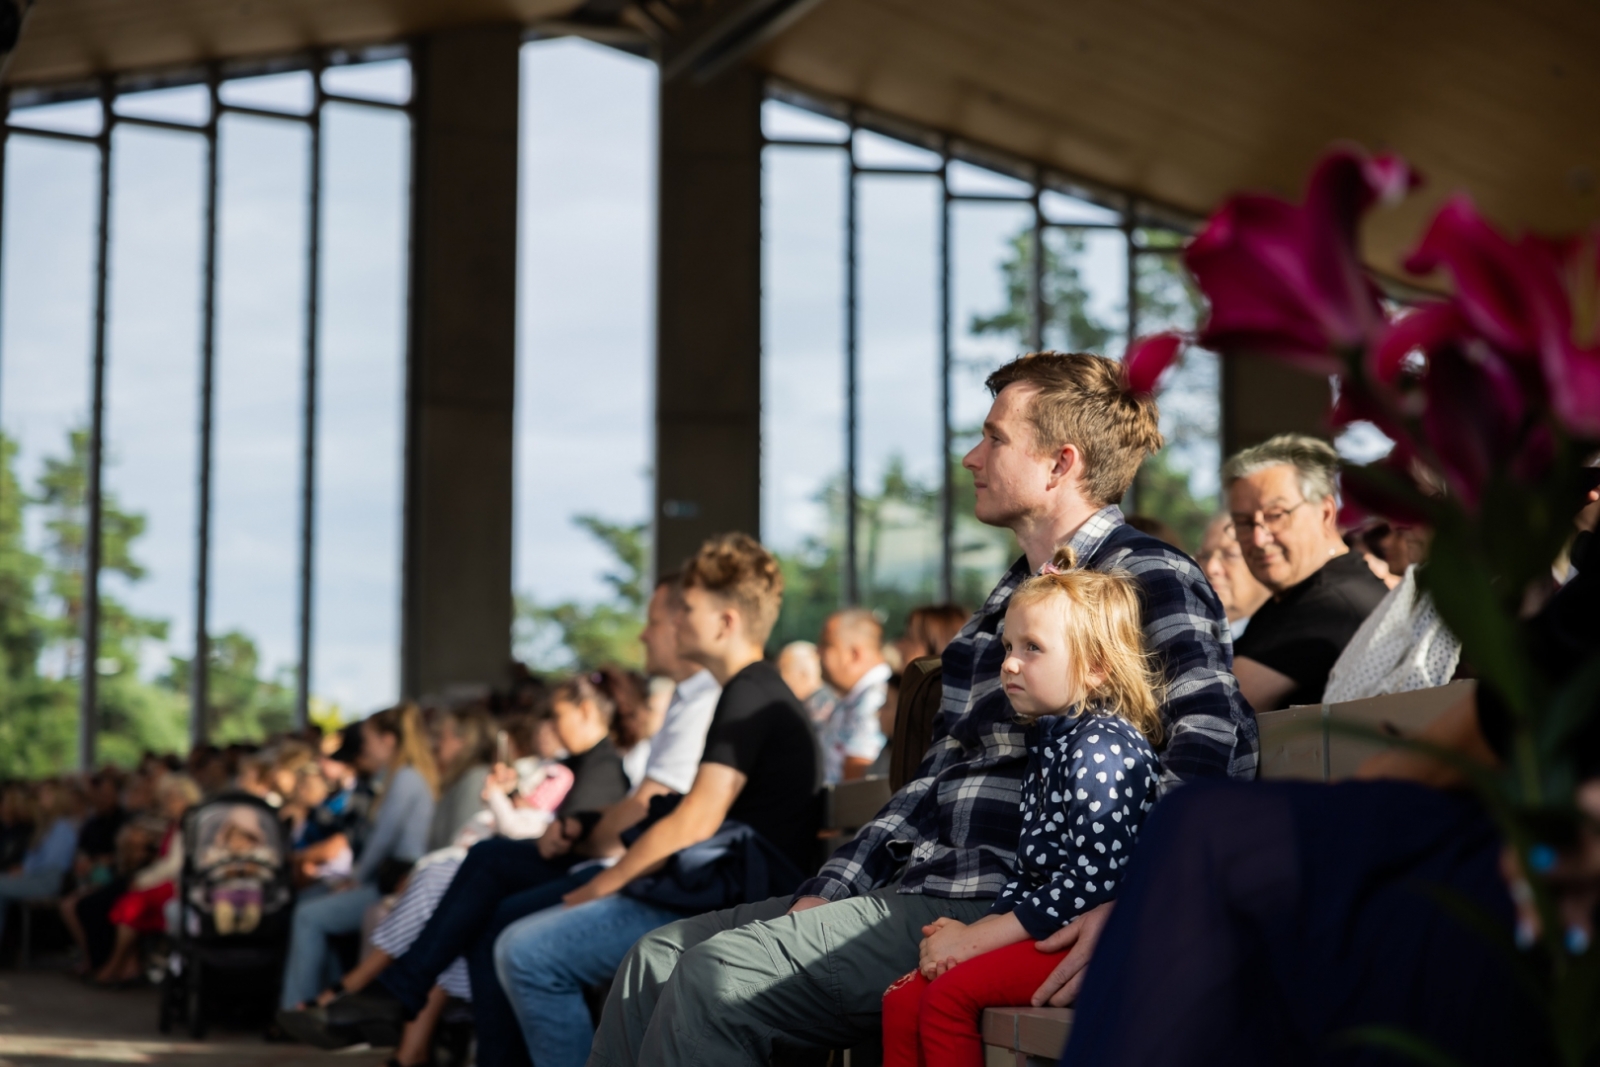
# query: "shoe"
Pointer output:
{"type": "Point", "coordinates": [310, 1026]}
{"type": "Point", "coordinates": [374, 1014]}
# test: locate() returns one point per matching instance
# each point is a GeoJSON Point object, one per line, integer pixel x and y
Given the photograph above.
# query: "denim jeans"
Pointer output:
{"type": "Point", "coordinates": [547, 960]}
{"type": "Point", "coordinates": [311, 967]}
{"type": "Point", "coordinates": [499, 882]}
{"type": "Point", "coordinates": [499, 1035]}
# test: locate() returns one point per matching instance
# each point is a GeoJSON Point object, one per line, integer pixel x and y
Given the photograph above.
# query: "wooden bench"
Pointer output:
{"type": "Point", "coordinates": [1024, 1037]}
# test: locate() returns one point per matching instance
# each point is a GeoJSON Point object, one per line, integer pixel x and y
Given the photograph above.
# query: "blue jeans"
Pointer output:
{"type": "Point", "coordinates": [311, 968]}
{"type": "Point", "coordinates": [547, 960]}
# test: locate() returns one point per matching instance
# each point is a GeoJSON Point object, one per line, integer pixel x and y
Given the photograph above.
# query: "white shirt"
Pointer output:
{"type": "Point", "coordinates": [853, 730]}
{"type": "Point", "coordinates": [675, 750]}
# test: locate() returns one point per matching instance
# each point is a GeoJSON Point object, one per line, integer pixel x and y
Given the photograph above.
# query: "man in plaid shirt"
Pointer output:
{"type": "Point", "coordinates": [1063, 440]}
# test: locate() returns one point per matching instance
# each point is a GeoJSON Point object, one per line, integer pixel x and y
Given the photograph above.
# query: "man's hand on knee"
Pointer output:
{"type": "Point", "coordinates": [806, 904]}
{"type": "Point", "coordinates": [1077, 938]}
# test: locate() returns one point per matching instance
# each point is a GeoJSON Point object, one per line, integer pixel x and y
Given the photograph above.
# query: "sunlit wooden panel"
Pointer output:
{"type": "Point", "coordinates": [1185, 102]}
{"type": "Point", "coordinates": [68, 39]}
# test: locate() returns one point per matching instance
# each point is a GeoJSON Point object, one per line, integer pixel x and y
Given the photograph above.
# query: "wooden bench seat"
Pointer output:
{"type": "Point", "coordinates": [1024, 1037]}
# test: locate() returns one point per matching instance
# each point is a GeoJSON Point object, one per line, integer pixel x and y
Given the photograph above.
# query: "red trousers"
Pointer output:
{"type": "Point", "coordinates": [939, 1023]}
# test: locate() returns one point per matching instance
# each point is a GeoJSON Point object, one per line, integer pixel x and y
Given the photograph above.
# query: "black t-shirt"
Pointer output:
{"type": "Point", "coordinates": [598, 780]}
{"type": "Point", "coordinates": [761, 730]}
{"type": "Point", "coordinates": [1302, 632]}
{"type": "Point", "coordinates": [98, 836]}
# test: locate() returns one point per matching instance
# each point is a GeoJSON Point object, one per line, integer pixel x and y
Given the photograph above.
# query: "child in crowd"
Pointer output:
{"type": "Point", "coordinates": [1076, 671]}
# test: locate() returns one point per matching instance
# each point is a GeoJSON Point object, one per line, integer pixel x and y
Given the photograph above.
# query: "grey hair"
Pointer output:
{"type": "Point", "coordinates": [1314, 460]}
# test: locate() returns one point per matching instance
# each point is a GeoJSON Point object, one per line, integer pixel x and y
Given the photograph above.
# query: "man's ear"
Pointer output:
{"type": "Point", "coordinates": [1068, 465]}
{"type": "Point", "coordinates": [1330, 513]}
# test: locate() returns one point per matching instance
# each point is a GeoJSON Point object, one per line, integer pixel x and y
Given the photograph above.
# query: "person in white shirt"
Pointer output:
{"type": "Point", "coordinates": [851, 650]}
{"type": "Point", "coordinates": [675, 750]}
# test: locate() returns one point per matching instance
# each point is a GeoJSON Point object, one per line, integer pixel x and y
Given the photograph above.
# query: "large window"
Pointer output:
{"type": "Point", "coordinates": [900, 270]}
{"type": "Point", "coordinates": [202, 294]}
{"type": "Point", "coordinates": [585, 348]}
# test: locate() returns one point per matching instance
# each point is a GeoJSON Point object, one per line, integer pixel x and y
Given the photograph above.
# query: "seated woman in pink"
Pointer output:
{"type": "Point", "coordinates": [1076, 671]}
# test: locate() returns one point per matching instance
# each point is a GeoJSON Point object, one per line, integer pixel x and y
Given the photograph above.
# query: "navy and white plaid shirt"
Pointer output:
{"type": "Point", "coordinates": [953, 829]}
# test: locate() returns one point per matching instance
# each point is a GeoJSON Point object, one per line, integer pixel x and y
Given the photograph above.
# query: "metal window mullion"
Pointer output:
{"type": "Point", "coordinates": [947, 489]}
{"type": "Point", "coordinates": [263, 113]}
{"type": "Point", "coordinates": [54, 135]}
{"type": "Point", "coordinates": [851, 584]}
{"type": "Point", "coordinates": [356, 101]}
{"type": "Point", "coordinates": [200, 665]}
{"type": "Point", "coordinates": [159, 124]}
{"type": "Point", "coordinates": [308, 470]}
{"type": "Point", "coordinates": [88, 686]}
{"type": "Point", "coordinates": [5, 145]}
{"type": "Point", "coordinates": [1136, 490]}
{"type": "Point", "coordinates": [1036, 309]}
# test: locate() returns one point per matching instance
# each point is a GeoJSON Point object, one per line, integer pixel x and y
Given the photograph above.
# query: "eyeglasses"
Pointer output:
{"type": "Point", "coordinates": [1274, 521]}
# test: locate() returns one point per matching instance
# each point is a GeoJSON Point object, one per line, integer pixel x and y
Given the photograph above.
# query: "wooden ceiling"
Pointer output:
{"type": "Point", "coordinates": [1181, 101]}
{"type": "Point", "coordinates": [1185, 101]}
{"type": "Point", "coordinates": [68, 40]}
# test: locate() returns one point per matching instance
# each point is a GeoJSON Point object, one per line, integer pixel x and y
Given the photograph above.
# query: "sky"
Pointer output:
{"type": "Point", "coordinates": [584, 405]}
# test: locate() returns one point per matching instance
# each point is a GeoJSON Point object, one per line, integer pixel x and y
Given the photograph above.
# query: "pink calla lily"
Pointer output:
{"type": "Point", "coordinates": [1492, 277]}
{"type": "Point", "coordinates": [1567, 310]}
{"type": "Point", "coordinates": [1285, 280]}
{"type": "Point", "coordinates": [1148, 358]}
{"type": "Point", "coordinates": [1422, 330]}
{"type": "Point", "coordinates": [1474, 416]}
{"type": "Point", "coordinates": [1535, 299]}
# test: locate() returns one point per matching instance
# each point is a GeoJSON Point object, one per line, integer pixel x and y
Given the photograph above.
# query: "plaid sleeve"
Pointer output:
{"type": "Point", "coordinates": [1210, 729]}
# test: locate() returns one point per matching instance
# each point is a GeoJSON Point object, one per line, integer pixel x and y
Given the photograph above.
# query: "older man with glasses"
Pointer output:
{"type": "Point", "coordinates": [1282, 495]}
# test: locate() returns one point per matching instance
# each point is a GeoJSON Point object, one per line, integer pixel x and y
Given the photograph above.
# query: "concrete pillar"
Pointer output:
{"type": "Point", "coordinates": [1261, 398]}
{"type": "Point", "coordinates": [456, 612]}
{"type": "Point", "coordinates": [708, 313]}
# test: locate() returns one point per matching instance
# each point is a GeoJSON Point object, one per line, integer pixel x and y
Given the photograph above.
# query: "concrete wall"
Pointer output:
{"type": "Point", "coordinates": [708, 313]}
{"type": "Point", "coordinates": [457, 615]}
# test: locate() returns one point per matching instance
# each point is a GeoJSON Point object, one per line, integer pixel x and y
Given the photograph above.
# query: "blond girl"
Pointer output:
{"type": "Point", "coordinates": [1077, 673]}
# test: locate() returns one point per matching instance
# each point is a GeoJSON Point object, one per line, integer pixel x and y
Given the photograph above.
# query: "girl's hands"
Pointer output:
{"type": "Point", "coordinates": [943, 946]}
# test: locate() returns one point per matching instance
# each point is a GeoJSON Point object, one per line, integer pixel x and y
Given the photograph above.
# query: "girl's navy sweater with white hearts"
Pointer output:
{"type": "Point", "coordinates": [1091, 781]}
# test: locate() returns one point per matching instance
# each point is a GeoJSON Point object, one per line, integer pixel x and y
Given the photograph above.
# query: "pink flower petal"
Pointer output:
{"type": "Point", "coordinates": [1421, 330]}
{"type": "Point", "coordinates": [1285, 280]}
{"type": "Point", "coordinates": [1148, 357]}
{"type": "Point", "coordinates": [1495, 283]}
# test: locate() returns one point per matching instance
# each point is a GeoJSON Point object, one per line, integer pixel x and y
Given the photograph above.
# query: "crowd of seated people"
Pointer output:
{"type": "Point", "coordinates": [654, 841]}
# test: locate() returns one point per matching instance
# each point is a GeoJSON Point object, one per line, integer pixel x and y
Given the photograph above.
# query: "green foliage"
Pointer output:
{"type": "Point", "coordinates": [574, 636]}
{"type": "Point", "coordinates": [1165, 493]}
{"type": "Point", "coordinates": [1167, 299]}
{"type": "Point", "coordinates": [41, 616]}
{"type": "Point", "coordinates": [1066, 298]}
{"type": "Point", "coordinates": [243, 706]}
{"type": "Point", "coordinates": [898, 539]}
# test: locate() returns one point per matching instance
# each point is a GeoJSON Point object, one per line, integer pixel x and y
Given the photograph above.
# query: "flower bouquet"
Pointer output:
{"type": "Point", "coordinates": [1492, 398]}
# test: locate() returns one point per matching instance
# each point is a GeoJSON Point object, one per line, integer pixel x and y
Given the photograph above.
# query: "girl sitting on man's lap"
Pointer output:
{"type": "Point", "coordinates": [1076, 671]}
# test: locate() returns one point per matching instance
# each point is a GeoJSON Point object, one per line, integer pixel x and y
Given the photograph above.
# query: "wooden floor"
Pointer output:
{"type": "Point", "coordinates": [49, 1019]}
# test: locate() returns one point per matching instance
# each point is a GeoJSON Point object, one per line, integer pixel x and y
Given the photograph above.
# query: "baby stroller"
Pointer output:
{"type": "Point", "coordinates": [234, 902]}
